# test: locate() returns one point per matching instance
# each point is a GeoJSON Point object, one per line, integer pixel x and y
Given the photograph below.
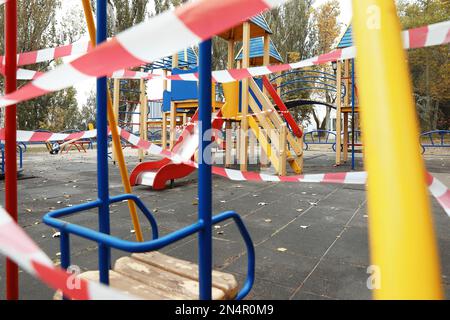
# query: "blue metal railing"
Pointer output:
{"type": "Point", "coordinates": [319, 137]}
{"type": "Point", "coordinates": [325, 137]}
{"type": "Point", "coordinates": [435, 142]}
{"type": "Point", "coordinates": [21, 148]}
{"type": "Point", "coordinates": [105, 240]}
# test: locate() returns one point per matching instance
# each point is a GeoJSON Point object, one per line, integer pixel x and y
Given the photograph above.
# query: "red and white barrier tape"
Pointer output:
{"type": "Point", "coordinates": [431, 35]}
{"type": "Point", "coordinates": [172, 31]}
{"type": "Point", "coordinates": [18, 246]}
{"type": "Point", "coordinates": [49, 54]}
{"type": "Point", "coordinates": [437, 188]}
{"type": "Point", "coordinates": [33, 136]}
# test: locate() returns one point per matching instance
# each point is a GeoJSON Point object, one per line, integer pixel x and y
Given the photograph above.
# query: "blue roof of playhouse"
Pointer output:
{"type": "Point", "coordinates": [347, 39]}
{"type": "Point", "coordinates": [261, 22]}
{"type": "Point", "coordinates": [166, 63]}
{"type": "Point", "coordinates": [257, 50]}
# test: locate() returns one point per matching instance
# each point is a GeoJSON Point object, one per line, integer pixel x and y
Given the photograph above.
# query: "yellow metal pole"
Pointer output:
{"type": "Point", "coordinates": [402, 241]}
{"type": "Point", "coordinates": [116, 103]}
{"type": "Point", "coordinates": [115, 134]}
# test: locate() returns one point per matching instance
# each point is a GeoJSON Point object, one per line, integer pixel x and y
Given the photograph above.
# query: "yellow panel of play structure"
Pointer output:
{"type": "Point", "coordinates": [231, 93]}
{"type": "Point", "coordinates": [402, 241]}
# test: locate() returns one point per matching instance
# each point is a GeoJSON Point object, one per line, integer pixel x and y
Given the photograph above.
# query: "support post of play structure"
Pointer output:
{"type": "Point", "coordinates": [266, 61]}
{"type": "Point", "coordinates": [142, 117]}
{"type": "Point", "coordinates": [353, 114]}
{"type": "Point", "coordinates": [205, 172]}
{"type": "Point", "coordinates": [102, 152]}
{"type": "Point", "coordinates": [114, 131]}
{"type": "Point", "coordinates": [12, 271]}
{"type": "Point", "coordinates": [338, 112]}
{"type": "Point", "coordinates": [116, 102]}
{"type": "Point", "coordinates": [228, 124]}
{"type": "Point", "coordinates": [402, 239]}
{"type": "Point", "coordinates": [346, 104]}
{"type": "Point", "coordinates": [243, 155]}
{"type": "Point", "coordinates": [173, 110]}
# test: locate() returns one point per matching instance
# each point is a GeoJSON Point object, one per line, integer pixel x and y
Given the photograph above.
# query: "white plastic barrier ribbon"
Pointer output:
{"type": "Point", "coordinates": [18, 246]}
{"type": "Point", "coordinates": [171, 31]}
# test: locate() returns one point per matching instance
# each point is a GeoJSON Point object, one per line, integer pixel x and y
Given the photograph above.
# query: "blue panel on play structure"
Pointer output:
{"type": "Point", "coordinates": [180, 90]}
{"type": "Point", "coordinates": [259, 82]}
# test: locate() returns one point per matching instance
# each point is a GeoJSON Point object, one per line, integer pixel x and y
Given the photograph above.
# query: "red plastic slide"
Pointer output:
{"type": "Point", "coordinates": [157, 173]}
{"type": "Point", "coordinates": [282, 107]}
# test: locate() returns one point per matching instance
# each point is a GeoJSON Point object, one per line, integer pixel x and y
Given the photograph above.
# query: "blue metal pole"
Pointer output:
{"type": "Point", "coordinates": [204, 172]}
{"type": "Point", "coordinates": [104, 254]}
{"type": "Point", "coordinates": [65, 251]}
{"type": "Point", "coordinates": [353, 114]}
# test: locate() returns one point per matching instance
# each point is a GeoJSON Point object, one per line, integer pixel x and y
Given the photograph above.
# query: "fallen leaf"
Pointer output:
{"type": "Point", "coordinates": [29, 210]}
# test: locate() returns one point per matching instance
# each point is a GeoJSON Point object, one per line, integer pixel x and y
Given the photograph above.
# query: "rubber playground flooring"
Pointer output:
{"type": "Point", "coordinates": [310, 239]}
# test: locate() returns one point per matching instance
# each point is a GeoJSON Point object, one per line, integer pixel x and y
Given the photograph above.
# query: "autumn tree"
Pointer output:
{"type": "Point", "coordinates": [326, 30]}
{"type": "Point", "coordinates": [88, 113]}
{"type": "Point", "coordinates": [429, 67]}
{"type": "Point", "coordinates": [293, 37]}
{"type": "Point", "coordinates": [38, 28]}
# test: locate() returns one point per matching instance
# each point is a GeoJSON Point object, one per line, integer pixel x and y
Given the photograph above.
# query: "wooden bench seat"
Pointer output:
{"type": "Point", "coordinates": [155, 276]}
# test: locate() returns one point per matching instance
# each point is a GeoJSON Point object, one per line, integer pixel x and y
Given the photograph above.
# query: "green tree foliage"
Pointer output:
{"type": "Point", "coordinates": [88, 112]}
{"type": "Point", "coordinates": [326, 30]}
{"type": "Point", "coordinates": [38, 28]}
{"type": "Point", "coordinates": [429, 67]}
{"type": "Point", "coordinates": [292, 35]}
{"type": "Point", "coordinates": [124, 14]}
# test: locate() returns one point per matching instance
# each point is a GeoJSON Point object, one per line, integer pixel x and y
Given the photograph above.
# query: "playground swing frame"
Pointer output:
{"type": "Point", "coordinates": [205, 222]}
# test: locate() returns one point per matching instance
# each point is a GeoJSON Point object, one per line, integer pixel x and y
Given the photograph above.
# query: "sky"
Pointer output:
{"type": "Point", "coordinates": [154, 87]}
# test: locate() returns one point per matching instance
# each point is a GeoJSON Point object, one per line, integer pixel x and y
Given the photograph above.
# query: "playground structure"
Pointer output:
{"type": "Point", "coordinates": [259, 123]}
{"type": "Point", "coordinates": [384, 65]}
{"type": "Point", "coordinates": [157, 283]}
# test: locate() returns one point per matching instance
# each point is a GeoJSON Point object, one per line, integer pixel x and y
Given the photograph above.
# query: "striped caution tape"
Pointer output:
{"type": "Point", "coordinates": [437, 188]}
{"type": "Point", "coordinates": [172, 31]}
{"type": "Point", "coordinates": [49, 54]}
{"type": "Point", "coordinates": [426, 36]}
{"type": "Point", "coordinates": [34, 136]}
{"type": "Point", "coordinates": [19, 247]}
